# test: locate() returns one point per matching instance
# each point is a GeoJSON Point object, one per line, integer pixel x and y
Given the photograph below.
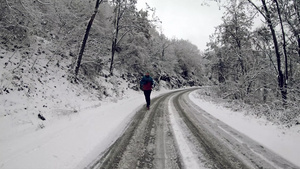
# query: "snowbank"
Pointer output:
{"type": "Point", "coordinates": [283, 141]}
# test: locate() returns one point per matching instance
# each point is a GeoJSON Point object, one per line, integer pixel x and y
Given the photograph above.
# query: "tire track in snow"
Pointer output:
{"type": "Point", "coordinates": [237, 150]}
{"type": "Point", "coordinates": [176, 133]}
{"type": "Point", "coordinates": [189, 159]}
{"type": "Point", "coordinates": [147, 143]}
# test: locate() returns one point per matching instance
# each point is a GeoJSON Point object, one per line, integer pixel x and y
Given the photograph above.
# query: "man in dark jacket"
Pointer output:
{"type": "Point", "coordinates": [146, 85]}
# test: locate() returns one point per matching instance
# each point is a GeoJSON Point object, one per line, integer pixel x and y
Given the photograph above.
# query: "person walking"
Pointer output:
{"type": "Point", "coordinates": [146, 85]}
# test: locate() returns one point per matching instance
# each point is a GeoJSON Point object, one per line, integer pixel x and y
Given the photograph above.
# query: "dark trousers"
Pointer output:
{"type": "Point", "coordinates": [147, 94]}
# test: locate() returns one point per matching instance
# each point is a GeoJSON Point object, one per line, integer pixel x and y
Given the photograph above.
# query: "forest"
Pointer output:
{"type": "Point", "coordinates": [253, 57]}
{"type": "Point", "coordinates": [120, 37]}
{"type": "Point", "coordinates": [252, 60]}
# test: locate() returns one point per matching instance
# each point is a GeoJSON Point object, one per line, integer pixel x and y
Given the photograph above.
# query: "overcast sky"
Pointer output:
{"type": "Point", "coordinates": [186, 19]}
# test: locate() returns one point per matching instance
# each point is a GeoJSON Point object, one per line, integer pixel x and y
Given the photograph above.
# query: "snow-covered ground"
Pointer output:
{"type": "Point", "coordinates": [70, 141]}
{"type": "Point", "coordinates": [73, 141]}
{"type": "Point", "coordinates": [283, 141]}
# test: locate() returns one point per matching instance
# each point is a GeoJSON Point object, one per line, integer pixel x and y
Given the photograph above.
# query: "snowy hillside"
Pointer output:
{"type": "Point", "coordinates": [39, 103]}
{"type": "Point", "coordinates": [81, 120]}
{"type": "Point", "coordinates": [33, 85]}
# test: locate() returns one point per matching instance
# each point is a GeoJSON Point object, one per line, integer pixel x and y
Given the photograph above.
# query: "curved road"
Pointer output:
{"type": "Point", "coordinates": [175, 133]}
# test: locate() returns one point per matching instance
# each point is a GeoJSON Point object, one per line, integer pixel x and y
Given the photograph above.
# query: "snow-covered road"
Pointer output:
{"type": "Point", "coordinates": [176, 133]}
{"type": "Point", "coordinates": [224, 146]}
{"type": "Point", "coordinates": [75, 141]}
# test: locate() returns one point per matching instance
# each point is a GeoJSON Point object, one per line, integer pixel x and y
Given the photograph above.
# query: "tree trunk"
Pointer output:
{"type": "Point", "coordinates": [115, 36]}
{"type": "Point", "coordinates": [284, 49]}
{"type": "Point", "coordinates": [86, 35]}
{"type": "Point", "coordinates": [113, 50]}
{"type": "Point", "coordinates": [281, 79]}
